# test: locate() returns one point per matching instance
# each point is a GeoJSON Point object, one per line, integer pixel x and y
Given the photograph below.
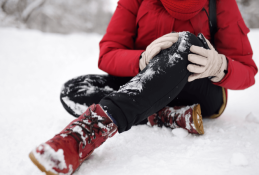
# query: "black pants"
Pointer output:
{"type": "Point", "coordinates": [162, 83]}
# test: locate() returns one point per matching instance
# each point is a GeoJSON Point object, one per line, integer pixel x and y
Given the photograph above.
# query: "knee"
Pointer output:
{"type": "Point", "coordinates": [179, 51]}
{"type": "Point", "coordinates": [190, 39]}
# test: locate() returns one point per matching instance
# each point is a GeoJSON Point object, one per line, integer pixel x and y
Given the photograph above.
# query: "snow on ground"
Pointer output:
{"type": "Point", "coordinates": [33, 67]}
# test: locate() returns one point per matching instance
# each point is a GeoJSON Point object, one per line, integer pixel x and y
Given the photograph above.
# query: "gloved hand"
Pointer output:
{"type": "Point", "coordinates": [208, 63]}
{"type": "Point", "coordinates": [156, 46]}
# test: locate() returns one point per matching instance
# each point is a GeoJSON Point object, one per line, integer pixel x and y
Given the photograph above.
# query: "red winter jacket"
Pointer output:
{"type": "Point", "coordinates": [136, 23]}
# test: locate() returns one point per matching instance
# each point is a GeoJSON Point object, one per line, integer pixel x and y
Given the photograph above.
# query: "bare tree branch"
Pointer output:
{"type": "Point", "coordinates": [2, 4]}
{"type": "Point", "coordinates": [30, 8]}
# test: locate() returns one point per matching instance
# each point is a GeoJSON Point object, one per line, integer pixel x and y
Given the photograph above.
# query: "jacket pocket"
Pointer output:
{"type": "Point", "coordinates": [247, 50]}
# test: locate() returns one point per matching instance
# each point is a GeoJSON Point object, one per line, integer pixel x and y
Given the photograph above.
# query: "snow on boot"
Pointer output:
{"type": "Point", "coordinates": [187, 117]}
{"type": "Point", "coordinates": [66, 151]}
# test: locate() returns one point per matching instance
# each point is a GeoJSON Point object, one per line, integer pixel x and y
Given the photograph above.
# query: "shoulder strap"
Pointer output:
{"type": "Point", "coordinates": [212, 19]}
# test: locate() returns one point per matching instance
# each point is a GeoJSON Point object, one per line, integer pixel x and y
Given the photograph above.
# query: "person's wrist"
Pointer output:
{"type": "Point", "coordinates": [139, 62]}
{"type": "Point", "coordinates": [142, 63]}
{"type": "Point", "coordinates": [223, 69]}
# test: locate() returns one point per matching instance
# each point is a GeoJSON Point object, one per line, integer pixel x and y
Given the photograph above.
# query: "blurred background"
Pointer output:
{"type": "Point", "coordinates": [70, 16]}
{"type": "Point", "coordinates": [57, 16]}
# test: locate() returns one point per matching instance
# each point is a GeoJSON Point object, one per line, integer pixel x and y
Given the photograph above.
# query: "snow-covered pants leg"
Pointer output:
{"type": "Point", "coordinates": [154, 87]}
{"type": "Point", "coordinates": [80, 92]}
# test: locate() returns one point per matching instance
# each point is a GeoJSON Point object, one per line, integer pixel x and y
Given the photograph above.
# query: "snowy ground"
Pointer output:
{"type": "Point", "coordinates": [33, 67]}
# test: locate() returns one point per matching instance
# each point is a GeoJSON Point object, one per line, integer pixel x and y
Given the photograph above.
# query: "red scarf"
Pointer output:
{"type": "Point", "coordinates": [183, 9]}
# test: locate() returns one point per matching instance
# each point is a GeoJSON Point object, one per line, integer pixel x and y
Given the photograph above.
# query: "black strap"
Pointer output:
{"type": "Point", "coordinates": [212, 20]}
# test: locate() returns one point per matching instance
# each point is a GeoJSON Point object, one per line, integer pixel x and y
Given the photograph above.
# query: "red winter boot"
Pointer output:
{"type": "Point", "coordinates": [65, 152]}
{"type": "Point", "coordinates": [187, 117]}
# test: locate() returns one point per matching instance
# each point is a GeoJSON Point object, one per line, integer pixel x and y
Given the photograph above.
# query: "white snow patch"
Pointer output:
{"type": "Point", "coordinates": [132, 85]}
{"type": "Point", "coordinates": [187, 116]}
{"type": "Point", "coordinates": [180, 132]}
{"type": "Point", "coordinates": [79, 130]}
{"type": "Point", "coordinates": [63, 135]}
{"type": "Point", "coordinates": [174, 58]}
{"type": "Point", "coordinates": [221, 130]}
{"type": "Point", "coordinates": [184, 43]}
{"type": "Point", "coordinates": [40, 148]}
{"type": "Point", "coordinates": [251, 117]}
{"type": "Point", "coordinates": [188, 125]}
{"type": "Point", "coordinates": [90, 90]}
{"type": "Point", "coordinates": [94, 115]}
{"type": "Point", "coordinates": [69, 172]}
{"type": "Point", "coordinates": [137, 82]}
{"type": "Point", "coordinates": [148, 74]}
{"type": "Point", "coordinates": [46, 159]}
{"type": "Point", "coordinates": [76, 107]}
{"type": "Point", "coordinates": [239, 159]}
{"type": "Point", "coordinates": [107, 88]}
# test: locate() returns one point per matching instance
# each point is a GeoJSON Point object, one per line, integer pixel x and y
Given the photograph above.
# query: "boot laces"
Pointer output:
{"type": "Point", "coordinates": [93, 128]}
{"type": "Point", "coordinates": [166, 118]}
{"type": "Point", "coordinates": [170, 118]}
{"type": "Point", "coordinates": [158, 121]}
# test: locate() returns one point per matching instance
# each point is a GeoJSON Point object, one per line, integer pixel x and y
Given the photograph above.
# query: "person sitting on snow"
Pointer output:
{"type": "Point", "coordinates": [171, 79]}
